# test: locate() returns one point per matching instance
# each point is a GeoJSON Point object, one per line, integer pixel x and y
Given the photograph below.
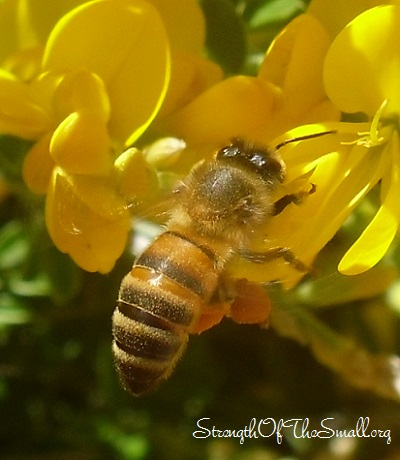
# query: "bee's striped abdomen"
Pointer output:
{"type": "Point", "coordinates": [159, 302]}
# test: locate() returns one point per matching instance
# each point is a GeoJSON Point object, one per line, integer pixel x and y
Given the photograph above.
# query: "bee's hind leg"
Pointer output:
{"type": "Point", "coordinates": [276, 253]}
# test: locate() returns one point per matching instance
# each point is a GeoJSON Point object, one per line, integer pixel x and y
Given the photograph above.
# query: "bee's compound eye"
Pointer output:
{"type": "Point", "coordinates": [259, 159]}
{"type": "Point", "coordinates": [272, 167]}
{"type": "Point", "coordinates": [230, 151]}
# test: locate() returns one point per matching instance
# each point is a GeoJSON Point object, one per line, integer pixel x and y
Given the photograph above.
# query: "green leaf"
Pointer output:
{"type": "Point", "coordinates": [38, 286]}
{"type": "Point", "coordinates": [13, 310]}
{"type": "Point", "coordinates": [46, 273]}
{"type": "Point", "coordinates": [14, 246]}
{"type": "Point", "coordinates": [275, 11]}
{"type": "Point", "coordinates": [226, 37]}
{"type": "Point", "coordinates": [64, 276]}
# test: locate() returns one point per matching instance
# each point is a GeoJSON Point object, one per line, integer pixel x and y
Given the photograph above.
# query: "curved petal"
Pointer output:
{"type": "Point", "coordinates": [38, 166]}
{"type": "Point", "coordinates": [238, 106]}
{"type": "Point", "coordinates": [93, 240]}
{"type": "Point", "coordinates": [375, 240]}
{"type": "Point", "coordinates": [81, 145]}
{"type": "Point", "coordinates": [294, 62]}
{"type": "Point", "coordinates": [96, 193]}
{"type": "Point", "coordinates": [133, 176]}
{"type": "Point", "coordinates": [43, 15]}
{"type": "Point", "coordinates": [82, 90]}
{"type": "Point", "coordinates": [362, 67]}
{"type": "Point", "coordinates": [125, 43]}
{"type": "Point", "coordinates": [190, 76]}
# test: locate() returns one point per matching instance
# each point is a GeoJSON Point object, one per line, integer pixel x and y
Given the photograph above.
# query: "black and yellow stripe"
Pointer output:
{"type": "Point", "coordinates": [159, 302]}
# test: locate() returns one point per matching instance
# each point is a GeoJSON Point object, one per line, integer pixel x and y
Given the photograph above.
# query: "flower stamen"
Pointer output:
{"type": "Point", "coordinates": [371, 138]}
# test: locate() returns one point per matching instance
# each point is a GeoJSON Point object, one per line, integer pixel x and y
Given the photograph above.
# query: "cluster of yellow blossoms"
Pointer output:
{"type": "Point", "coordinates": [86, 80]}
{"type": "Point", "coordinates": [83, 81]}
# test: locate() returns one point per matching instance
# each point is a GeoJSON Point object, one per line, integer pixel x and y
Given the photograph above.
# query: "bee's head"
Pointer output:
{"type": "Point", "coordinates": [262, 160]}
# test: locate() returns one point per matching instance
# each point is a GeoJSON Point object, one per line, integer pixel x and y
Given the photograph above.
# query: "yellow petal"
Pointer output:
{"type": "Point", "coordinates": [303, 155]}
{"type": "Point", "coordinates": [20, 114]}
{"type": "Point", "coordinates": [133, 175]}
{"type": "Point", "coordinates": [185, 24]}
{"type": "Point", "coordinates": [28, 23]}
{"type": "Point", "coordinates": [190, 76]}
{"type": "Point", "coordinates": [125, 43]}
{"type": "Point", "coordinates": [238, 106]}
{"type": "Point", "coordinates": [17, 25]}
{"type": "Point", "coordinates": [82, 90]}
{"type": "Point", "coordinates": [294, 62]}
{"type": "Point", "coordinates": [164, 152]}
{"type": "Point", "coordinates": [93, 241]}
{"type": "Point", "coordinates": [375, 240]}
{"type": "Point", "coordinates": [98, 194]}
{"type": "Point", "coordinates": [24, 64]}
{"type": "Point", "coordinates": [80, 144]}
{"type": "Point", "coordinates": [362, 67]}
{"type": "Point", "coordinates": [38, 166]}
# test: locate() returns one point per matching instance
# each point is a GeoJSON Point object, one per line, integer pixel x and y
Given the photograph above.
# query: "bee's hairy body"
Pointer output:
{"type": "Point", "coordinates": [220, 207]}
{"type": "Point", "coordinates": [159, 302]}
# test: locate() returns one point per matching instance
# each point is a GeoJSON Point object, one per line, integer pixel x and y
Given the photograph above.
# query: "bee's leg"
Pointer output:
{"type": "Point", "coordinates": [276, 253]}
{"type": "Point", "coordinates": [295, 198]}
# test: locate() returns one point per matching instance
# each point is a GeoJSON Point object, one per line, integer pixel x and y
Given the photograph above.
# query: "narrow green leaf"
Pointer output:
{"type": "Point", "coordinates": [274, 12]}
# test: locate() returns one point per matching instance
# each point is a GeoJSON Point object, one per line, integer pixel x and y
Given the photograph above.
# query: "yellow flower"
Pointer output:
{"type": "Point", "coordinates": [287, 92]}
{"type": "Point", "coordinates": [362, 71]}
{"type": "Point", "coordinates": [83, 89]}
{"type": "Point", "coordinates": [191, 73]}
{"type": "Point", "coordinates": [27, 26]}
{"type": "Point", "coordinates": [358, 72]}
{"type": "Point", "coordinates": [103, 77]}
{"type": "Point", "coordinates": [104, 73]}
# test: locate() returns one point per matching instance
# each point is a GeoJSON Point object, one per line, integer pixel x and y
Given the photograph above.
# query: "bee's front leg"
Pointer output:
{"type": "Point", "coordinates": [295, 198]}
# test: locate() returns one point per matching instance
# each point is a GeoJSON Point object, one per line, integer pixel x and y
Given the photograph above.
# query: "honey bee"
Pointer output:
{"type": "Point", "coordinates": [169, 293]}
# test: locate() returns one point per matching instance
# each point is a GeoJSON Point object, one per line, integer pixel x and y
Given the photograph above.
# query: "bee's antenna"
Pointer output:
{"type": "Point", "coordinates": [302, 138]}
